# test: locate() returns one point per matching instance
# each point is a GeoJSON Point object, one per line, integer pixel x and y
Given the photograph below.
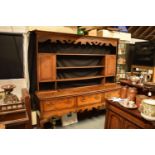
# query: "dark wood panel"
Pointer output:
{"type": "Point", "coordinates": [130, 125]}
{"type": "Point", "coordinates": [114, 121]}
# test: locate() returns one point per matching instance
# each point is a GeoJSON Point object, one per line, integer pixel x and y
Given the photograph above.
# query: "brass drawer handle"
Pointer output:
{"type": "Point", "coordinates": [48, 103]}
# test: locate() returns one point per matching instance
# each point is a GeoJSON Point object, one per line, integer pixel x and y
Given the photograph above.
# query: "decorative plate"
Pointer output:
{"type": "Point", "coordinates": [128, 105]}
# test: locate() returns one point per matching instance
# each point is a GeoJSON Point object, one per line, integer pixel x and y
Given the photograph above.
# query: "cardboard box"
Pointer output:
{"type": "Point", "coordinates": [92, 33]}
{"type": "Point", "coordinates": [69, 119]}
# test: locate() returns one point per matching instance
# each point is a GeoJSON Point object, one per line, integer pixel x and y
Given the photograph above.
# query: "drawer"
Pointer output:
{"type": "Point", "coordinates": [114, 93]}
{"type": "Point", "coordinates": [58, 104]}
{"type": "Point", "coordinates": [89, 99]}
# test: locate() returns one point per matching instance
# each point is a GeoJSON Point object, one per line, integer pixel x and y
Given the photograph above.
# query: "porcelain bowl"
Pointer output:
{"type": "Point", "coordinates": [134, 79]}
{"type": "Point", "coordinates": [147, 109]}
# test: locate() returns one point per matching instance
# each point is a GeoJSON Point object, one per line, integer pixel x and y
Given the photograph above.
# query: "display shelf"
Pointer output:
{"type": "Point", "coordinates": [79, 67]}
{"type": "Point", "coordinates": [121, 60]}
{"type": "Point", "coordinates": [53, 68]}
{"type": "Point", "coordinates": [76, 54]}
{"type": "Point", "coordinates": [80, 78]}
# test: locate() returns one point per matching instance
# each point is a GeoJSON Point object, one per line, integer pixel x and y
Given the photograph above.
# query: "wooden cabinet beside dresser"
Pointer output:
{"type": "Point", "coordinates": [118, 117]}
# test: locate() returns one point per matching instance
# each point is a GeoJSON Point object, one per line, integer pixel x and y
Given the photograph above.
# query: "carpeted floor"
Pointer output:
{"type": "Point", "coordinates": [94, 119]}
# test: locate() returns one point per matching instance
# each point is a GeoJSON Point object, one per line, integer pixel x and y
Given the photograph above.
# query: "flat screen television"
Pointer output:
{"type": "Point", "coordinates": [11, 56]}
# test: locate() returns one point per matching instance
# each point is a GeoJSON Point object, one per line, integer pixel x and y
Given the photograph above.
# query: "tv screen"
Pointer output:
{"type": "Point", "coordinates": [11, 56]}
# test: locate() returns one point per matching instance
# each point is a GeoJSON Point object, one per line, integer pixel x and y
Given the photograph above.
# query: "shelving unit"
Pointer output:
{"type": "Point", "coordinates": [73, 72]}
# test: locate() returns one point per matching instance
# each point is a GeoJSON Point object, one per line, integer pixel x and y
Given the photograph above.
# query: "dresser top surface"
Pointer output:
{"type": "Point", "coordinates": [76, 91]}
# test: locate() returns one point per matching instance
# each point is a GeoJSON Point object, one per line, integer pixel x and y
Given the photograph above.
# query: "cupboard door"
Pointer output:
{"type": "Point", "coordinates": [129, 125]}
{"type": "Point", "coordinates": [46, 67]}
{"type": "Point", "coordinates": [110, 65]}
{"type": "Point", "coordinates": [113, 121]}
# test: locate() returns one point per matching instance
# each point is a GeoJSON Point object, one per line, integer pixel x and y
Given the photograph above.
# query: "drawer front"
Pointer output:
{"type": "Point", "coordinates": [88, 99]}
{"type": "Point", "coordinates": [114, 93]}
{"type": "Point", "coordinates": [58, 104]}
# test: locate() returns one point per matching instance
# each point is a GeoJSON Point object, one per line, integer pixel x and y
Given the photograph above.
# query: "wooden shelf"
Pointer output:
{"type": "Point", "coordinates": [21, 120]}
{"type": "Point", "coordinates": [80, 78]}
{"type": "Point", "coordinates": [80, 67]}
{"type": "Point", "coordinates": [76, 54]}
{"type": "Point", "coordinates": [12, 111]}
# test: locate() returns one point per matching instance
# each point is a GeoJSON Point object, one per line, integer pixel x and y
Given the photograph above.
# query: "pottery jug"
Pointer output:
{"type": "Point", "coordinates": [124, 90]}
{"type": "Point", "coordinates": [131, 93]}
